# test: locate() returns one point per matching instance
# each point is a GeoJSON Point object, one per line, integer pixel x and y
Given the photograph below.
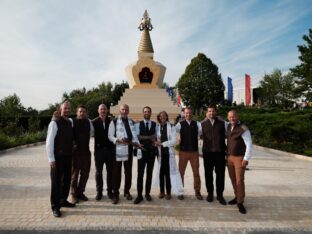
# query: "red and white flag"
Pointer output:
{"type": "Point", "coordinates": [247, 90]}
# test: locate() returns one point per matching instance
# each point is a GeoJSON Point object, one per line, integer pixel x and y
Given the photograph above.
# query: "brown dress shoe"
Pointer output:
{"type": "Point", "coordinates": [115, 200]}
{"type": "Point", "coordinates": [168, 196]}
{"type": "Point", "coordinates": [199, 196]}
{"type": "Point", "coordinates": [161, 195]}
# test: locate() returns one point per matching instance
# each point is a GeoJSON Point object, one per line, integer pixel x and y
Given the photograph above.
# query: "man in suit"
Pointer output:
{"type": "Point", "coordinates": [214, 153]}
{"type": "Point", "coordinates": [146, 130]}
{"type": "Point", "coordinates": [239, 146]}
{"type": "Point", "coordinates": [82, 131]}
{"type": "Point", "coordinates": [103, 153]}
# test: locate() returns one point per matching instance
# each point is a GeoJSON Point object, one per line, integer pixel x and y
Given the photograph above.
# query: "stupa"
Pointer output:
{"type": "Point", "coordinates": [145, 77]}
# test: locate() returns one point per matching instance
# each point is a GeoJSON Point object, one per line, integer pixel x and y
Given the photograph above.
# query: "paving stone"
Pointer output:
{"type": "Point", "coordinates": [278, 200]}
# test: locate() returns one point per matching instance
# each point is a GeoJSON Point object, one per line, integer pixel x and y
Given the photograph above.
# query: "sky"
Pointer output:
{"type": "Point", "coordinates": [54, 46]}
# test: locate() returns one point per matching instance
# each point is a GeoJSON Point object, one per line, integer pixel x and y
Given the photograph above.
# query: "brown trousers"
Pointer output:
{"type": "Point", "coordinates": [193, 157]}
{"type": "Point", "coordinates": [81, 166]}
{"type": "Point", "coordinates": [237, 176]}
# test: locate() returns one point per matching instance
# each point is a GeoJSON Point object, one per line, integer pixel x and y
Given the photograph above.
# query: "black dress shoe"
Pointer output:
{"type": "Point", "coordinates": [115, 200]}
{"type": "Point", "coordinates": [233, 201]}
{"type": "Point", "coordinates": [138, 200]}
{"type": "Point", "coordinates": [98, 196]}
{"type": "Point", "coordinates": [67, 204]}
{"type": "Point", "coordinates": [83, 197]}
{"type": "Point", "coordinates": [110, 195]}
{"type": "Point", "coordinates": [57, 213]}
{"type": "Point", "coordinates": [209, 198]}
{"type": "Point", "coordinates": [241, 208]}
{"type": "Point", "coordinates": [221, 200]}
{"type": "Point", "coordinates": [181, 197]}
{"type": "Point", "coordinates": [148, 197]}
{"type": "Point", "coordinates": [128, 196]}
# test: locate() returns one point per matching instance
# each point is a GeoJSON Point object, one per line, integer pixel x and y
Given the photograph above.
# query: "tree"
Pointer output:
{"type": "Point", "coordinates": [118, 91]}
{"type": "Point", "coordinates": [11, 106]}
{"type": "Point", "coordinates": [201, 84]}
{"type": "Point", "coordinates": [277, 89]}
{"type": "Point", "coordinates": [303, 71]}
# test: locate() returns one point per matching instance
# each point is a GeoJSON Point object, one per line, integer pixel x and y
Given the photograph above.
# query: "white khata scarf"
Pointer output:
{"type": "Point", "coordinates": [122, 151]}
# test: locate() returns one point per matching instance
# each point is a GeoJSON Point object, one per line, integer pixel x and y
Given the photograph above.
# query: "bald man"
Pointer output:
{"type": "Point", "coordinates": [239, 146]}
{"type": "Point", "coordinates": [122, 133]}
{"type": "Point", "coordinates": [59, 145]}
{"type": "Point", "coordinates": [103, 153]}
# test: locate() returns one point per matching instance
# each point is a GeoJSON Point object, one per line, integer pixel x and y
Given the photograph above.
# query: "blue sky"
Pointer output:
{"type": "Point", "coordinates": [54, 46]}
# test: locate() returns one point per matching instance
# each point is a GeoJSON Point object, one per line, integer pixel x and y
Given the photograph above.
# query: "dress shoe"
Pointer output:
{"type": "Point", "coordinates": [181, 197]}
{"type": "Point", "coordinates": [241, 208]}
{"type": "Point", "coordinates": [209, 197]}
{"type": "Point", "coordinates": [57, 213]}
{"type": "Point", "coordinates": [83, 197]}
{"type": "Point", "coordinates": [138, 200]}
{"type": "Point", "coordinates": [74, 199]}
{"type": "Point", "coordinates": [168, 197]}
{"type": "Point", "coordinates": [221, 200]}
{"type": "Point", "coordinates": [115, 200]}
{"type": "Point", "coordinates": [199, 196]}
{"type": "Point", "coordinates": [233, 201]}
{"type": "Point", "coordinates": [161, 195]}
{"type": "Point", "coordinates": [128, 196]}
{"type": "Point", "coordinates": [110, 195]}
{"type": "Point", "coordinates": [148, 197]}
{"type": "Point", "coordinates": [98, 196]}
{"type": "Point", "coordinates": [67, 204]}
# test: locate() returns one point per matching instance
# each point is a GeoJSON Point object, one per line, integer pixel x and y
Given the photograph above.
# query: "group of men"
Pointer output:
{"type": "Point", "coordinates": [117, 140]}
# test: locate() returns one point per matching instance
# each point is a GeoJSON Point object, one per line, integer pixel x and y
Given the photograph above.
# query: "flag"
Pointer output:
{"type": "Point", "coordinates": [247, 90]}
{"type": "Point", "coordinates": [230, 90]}
{"type": "Point", "coordinates": [178, 99]}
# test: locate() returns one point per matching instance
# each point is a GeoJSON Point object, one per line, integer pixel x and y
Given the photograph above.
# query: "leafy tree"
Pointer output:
{"type": "Point", "coordinates": [277, 89]}
{"type": "Point", "coordinates": [11, 106]}
{"type": "Point", "coordinates": [303, 71]}
{"type": "Point", "coordinates": [201, 84]}
{"type": "Point", "coordinates": [118, 91]}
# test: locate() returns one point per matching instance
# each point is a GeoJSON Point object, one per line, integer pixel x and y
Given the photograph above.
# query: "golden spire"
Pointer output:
{"type": "Point", "coordinates": [146, 42]}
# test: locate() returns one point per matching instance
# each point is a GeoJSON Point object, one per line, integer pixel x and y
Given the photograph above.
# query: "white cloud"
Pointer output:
{"type": "Point", "coordinates": [51, 47]}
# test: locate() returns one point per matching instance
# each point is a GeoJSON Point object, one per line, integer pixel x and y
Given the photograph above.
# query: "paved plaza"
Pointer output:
{"type": "Point", "coordinates": [278, 199]}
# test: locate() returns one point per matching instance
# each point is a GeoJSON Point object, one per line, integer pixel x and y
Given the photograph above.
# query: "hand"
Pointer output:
{"type": "Point", "coordinates": [157, 143]}
{"type": "Point", "coordinates": [244, 164]}
{"type": "Point", "coordinates": [122, 141]}
{"type": "Point", "coordinates": [52, 164]}
{"type": "Point", "coordinates": [138, 146]}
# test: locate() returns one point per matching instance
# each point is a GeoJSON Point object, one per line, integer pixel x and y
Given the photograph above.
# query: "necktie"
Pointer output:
{"type": "Point", "coordinates": [146, 126]}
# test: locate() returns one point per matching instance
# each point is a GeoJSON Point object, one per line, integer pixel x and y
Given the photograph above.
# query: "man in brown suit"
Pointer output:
{"type": "Point", "coordinates": [214, 153]}
{"type": "Point", "coordinates": [239, 146]}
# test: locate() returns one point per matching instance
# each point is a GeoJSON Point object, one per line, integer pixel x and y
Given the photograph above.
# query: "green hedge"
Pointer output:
{"type": "Point", "coordinates": [23, 139]}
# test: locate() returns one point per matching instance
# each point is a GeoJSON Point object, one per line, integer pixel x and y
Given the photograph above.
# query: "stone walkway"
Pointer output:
{"type": "Point", "coordinates": [278, 189]}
